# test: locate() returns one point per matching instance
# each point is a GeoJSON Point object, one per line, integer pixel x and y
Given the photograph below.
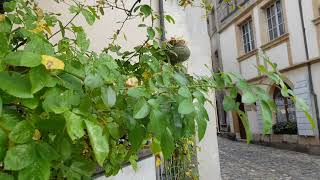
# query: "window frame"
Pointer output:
{"type": "Point", "coordinates": [247, 35]}
{"type": "Point", "coordinates": [275, 19]}
{"type": "Point", "coordinates": [287, 104]}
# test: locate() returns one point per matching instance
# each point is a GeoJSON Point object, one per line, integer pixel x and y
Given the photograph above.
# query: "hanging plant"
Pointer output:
{"type": "Point", "coordinates": [178, 51]}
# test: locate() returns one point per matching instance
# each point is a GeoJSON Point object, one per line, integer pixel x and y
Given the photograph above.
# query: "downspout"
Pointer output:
{"type": "Point", "coordinates": [162, 26]}
{"type": "Point", "coordinates": [311, 86]}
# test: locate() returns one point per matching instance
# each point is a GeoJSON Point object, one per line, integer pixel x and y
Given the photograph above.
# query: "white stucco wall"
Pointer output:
{"type": "Point", "coordinates": [229, 52]}
{"type": "Point", "coordinates": [146, 171]}
{"type": "Point", "coordinates": [295, 31]}
{"type": "Point", "coordinates": [248, 68]}
{"type": "Point", "coordinates": [279, 55]}
{"type": "Point", "coordinates": [311, 30]}
{"type": "Point", "coordinates": [104, 28]}
{"type": "Point", "coordinates": [191, 25]}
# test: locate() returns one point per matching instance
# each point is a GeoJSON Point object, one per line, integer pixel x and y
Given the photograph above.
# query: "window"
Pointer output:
{"type": "Point", "coordinates": [247, 36]}
{"type": "Point", "coordinates": [226, 9]}
{"type": "Point", "coordinates": [275, 20]}
{"type": "Point", "coordinates": [285, 108]}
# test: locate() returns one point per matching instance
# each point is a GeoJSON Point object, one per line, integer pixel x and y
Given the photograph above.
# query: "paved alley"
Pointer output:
{"type": "Point", "coordinates": [240, 161]}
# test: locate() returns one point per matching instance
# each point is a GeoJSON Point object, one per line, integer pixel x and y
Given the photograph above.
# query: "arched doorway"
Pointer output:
{"type": "Point", "coordinates": [242, 130]}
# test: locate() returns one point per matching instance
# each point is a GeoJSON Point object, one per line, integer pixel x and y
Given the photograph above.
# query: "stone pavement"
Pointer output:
{"type": "Point", "coordinates": [239, 161]}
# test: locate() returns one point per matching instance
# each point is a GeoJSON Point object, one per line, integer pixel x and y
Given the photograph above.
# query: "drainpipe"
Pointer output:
{"type": "Point", "coordinates": [311, 86]}
{"type": "Point", "coordinates": [162, 27]}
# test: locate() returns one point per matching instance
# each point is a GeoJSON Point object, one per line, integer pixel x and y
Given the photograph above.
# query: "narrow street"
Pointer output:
{"type": "Point", "coordinates": [240, 161]}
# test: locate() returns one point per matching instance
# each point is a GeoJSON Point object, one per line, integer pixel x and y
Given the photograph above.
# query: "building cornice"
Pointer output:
{"type": "Point", "coordinates": [290, 68]}
{"type": "Point", "coordinates": [275, 42]}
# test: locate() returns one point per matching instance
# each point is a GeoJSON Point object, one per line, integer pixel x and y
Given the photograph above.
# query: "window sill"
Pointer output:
{"type": "Point", "coordinates": [275, 42]}
{"type": "Point", "coordinates": [247, 55]}
{"type": "Point", "coordinates": [316, 21]}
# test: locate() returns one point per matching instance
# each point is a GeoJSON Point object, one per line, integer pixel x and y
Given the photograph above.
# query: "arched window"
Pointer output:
{"type": "Point", "coordinates": [286, 110]}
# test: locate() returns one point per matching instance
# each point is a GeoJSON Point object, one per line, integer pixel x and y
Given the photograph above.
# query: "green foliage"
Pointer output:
{"type": "Point", "coordinates": [65, 110]}
{"type": "Point", "coordinates": [287, 127]}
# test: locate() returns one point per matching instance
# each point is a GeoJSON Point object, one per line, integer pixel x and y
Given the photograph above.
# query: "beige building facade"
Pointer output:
{"type": "Point", "coordinates": [288, 32]}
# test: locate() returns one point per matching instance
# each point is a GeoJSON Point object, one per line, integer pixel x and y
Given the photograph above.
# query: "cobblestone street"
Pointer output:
{"type": "Point", "coordinates": [240, 161]}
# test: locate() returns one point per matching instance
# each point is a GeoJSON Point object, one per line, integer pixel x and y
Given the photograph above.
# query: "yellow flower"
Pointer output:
{"type": "Point", "coordinates": [51, 62]}
{"type": "Point", "coordinates": [36, 135]}
{"type": "Point", "coordinates": [158, 161]}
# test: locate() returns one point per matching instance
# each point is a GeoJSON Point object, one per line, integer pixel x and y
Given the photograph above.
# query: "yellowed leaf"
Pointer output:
{"type": "Point", "coordinates": [51, 62]}
{"type": "Point", "coordinates": [36, 135]}
{"type": "Point", "coordinates": [2, 17]}
{"type": "Point", "coordinates": [158, 161]}
{"type": "Point", "coordinates": [41, 26]}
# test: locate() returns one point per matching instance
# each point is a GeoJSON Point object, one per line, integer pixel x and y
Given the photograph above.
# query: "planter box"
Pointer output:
{"type": "Point", "coordinates": [292, 139]}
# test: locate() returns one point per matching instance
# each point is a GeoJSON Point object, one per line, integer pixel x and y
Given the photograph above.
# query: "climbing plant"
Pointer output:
{"type": "Point", "coordinates": [65, 110]}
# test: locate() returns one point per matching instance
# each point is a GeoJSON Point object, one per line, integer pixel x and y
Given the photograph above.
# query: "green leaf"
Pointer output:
{"type": "Point", "coordinates": [5, 176]}
{"type": "Point", "coordinates": [39, 45]}
{"type": "Point", "coordinates": [15, 85]}
{"type": "Point", "coordinates": [39, 170]}
{"type": "Point", "coordinates": [84, 167]}
{"type": "Point", "coordinates": [57, 101]}
{"type": "Point", "coordinates": [3, 144]}
{"type": "Point", "coordinates": [99, 141]}
{"type": "Point", "coordinates": [229, 103]}
{"type": "Point", "coordinates": [184, 92]}
{"type": "Point", "coordinates": [146, 10]}
{"type": "Point", "coordinates": [93, 81]}
{"type": "Point", "coordinates": [4, 44]}
{"type": "Point", "coordinates": [201, 118]}
{"type": "Point", "coordinates": [19, 157]}
{"type": "Point", "coordinates": [181, 79]}
{"type": "Point", "coordinates": [158, 122]}
{"type": "Point", "coordinates": [23, 58]}
{"type": "Point", "coordinates": [151, 32]}
{"type": "Point", "coordinates": [169, 19]}
{"type": "Point", "coordinates": [136, 136]}
{"type": "Point", "coordinates": [155, 146]}
{"type": "Point", "coordinates": [22, 132]}
{"type": "Point", "coordinates": [114, 130]}
{"type": "Point", "coordinates": [310, 119]}
{"type": "Point", "coordinates": [82, 40]}
{"type": "Point", "coordinates": [108, 96]}
{"type": "Point", "coordinates": [74, 124]}
{"type": "Point", "coordinates": [5, 26]}
{"type": "Point", "coordinates": [138, 92]}
{"type": "Point", "coordinates": [9, 6]}
{"type": "Point", "coordinates": [30, 103]}
{"type": "Point", "coordinates": [1, 105]}
{"type": "Point", "coordinates": [46, 151]}
{"type": "Point", "coordinates": [141, 109]}
{"type": "Point", "coordinates": [167, 144]}
{"type": "Point", "coordinates": [40, 78]}
{"type": "Point", "coordinates": [266, 116]}
{"type": "Point", "coordinates": [248, 98]}
{"type": "Point", "coordinates": [90, 18]}
{"type": "Point", "coordinates": [133, 161]}
{"type": "Point", "coordinates": [9, 119]}
{"type": "Point", "coordinates": [246, 124]}
{"type": "Point", "coordinates": [186, 107]}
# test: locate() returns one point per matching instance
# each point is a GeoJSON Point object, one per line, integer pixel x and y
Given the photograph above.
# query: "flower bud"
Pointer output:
{"type": "Point", "coordinates": [132, 82]}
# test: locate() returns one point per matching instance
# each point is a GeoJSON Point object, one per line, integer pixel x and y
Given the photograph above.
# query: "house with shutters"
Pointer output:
{"type": "Point", "coordinates": [286, 31]}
